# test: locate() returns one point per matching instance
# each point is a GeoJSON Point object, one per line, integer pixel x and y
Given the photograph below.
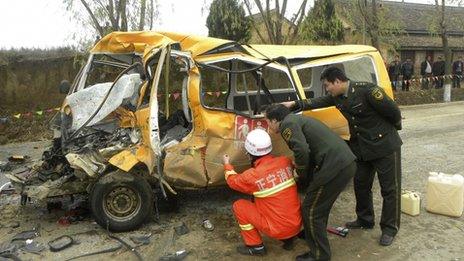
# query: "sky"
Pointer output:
{"type": "Point", "coordinates": [46, 24]}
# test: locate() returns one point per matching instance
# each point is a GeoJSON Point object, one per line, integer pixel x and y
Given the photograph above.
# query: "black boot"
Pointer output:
{"type": "Point", "coordinates": [289, 243]}
{"type": "Point", "coordinates": [386, 240]}
{"type": "Point", "coordinates": [358, 224]}
{"type": "Point", "coordinates": [252, 250]}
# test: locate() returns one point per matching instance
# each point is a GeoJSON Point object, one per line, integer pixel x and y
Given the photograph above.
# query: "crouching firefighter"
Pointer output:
{"type": "Point", "coordinates": [275, 211]}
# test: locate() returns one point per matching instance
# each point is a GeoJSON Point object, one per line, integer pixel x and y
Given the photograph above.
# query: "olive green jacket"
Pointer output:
{"type": "Point", "coordinates": [319, 153]}
{"type": "Point", "coordinates": [373, 119]}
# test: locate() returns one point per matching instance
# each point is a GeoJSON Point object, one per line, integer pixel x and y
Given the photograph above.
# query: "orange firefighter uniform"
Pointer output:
{"type": "Point", "coordinates": [276, 207]}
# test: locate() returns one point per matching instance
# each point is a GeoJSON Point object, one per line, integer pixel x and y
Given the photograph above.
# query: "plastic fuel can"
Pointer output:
{"type": "Point", "coordinates": [445, 194]}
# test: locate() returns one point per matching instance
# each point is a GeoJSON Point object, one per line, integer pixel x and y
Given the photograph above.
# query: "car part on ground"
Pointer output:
{"type": "Point", "coordinates": [60, 243]}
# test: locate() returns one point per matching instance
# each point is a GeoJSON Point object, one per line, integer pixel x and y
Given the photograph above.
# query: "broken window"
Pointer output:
{"type": "Point", "coordinates": [103, 92]}
{"type": "Point", "coordinates": [169, 101]}
{"type": "Point", "coordinates": [234, 85]}
{"type": "Point", "coordinates": [173, 110]}
{"type": "Point", "coordinates": [360, 69]}
{"type": "Point", "coordinates": [215, 85]}
{"type": "Point", "coordinates": [174, 120]}
{"type": "Point", "coordinates": [105, 68]}
{"type": "Point", "coordinates": [305, 76]}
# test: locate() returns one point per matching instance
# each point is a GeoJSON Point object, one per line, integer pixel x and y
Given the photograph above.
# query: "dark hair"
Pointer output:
{"type": "Point", "coordinates": [333, 73]}
{"type": "Point", "coordinates": [254, 158]}
{"type": "Point", "coordinates": [277, 112]}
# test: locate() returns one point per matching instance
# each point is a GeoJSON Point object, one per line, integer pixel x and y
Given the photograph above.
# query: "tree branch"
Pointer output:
{"type": "Point", "coordinates": [278, 23]}
{"type": "Point", "coordinates": [298, 18]}
{"type": "Point", "coordinates": [152, 11]}
{"type": "Point", "coordinates": [94, 19]}
{"type": "Point", "coordinates": [142, 14]}
{"type": "Point", "coordinates": [265, 20]}
{"type": "Point", "coordinates": [110, 8]}
{"type": "Point", "coordinates": [122, 11]}
{"type": "Point", "coordinates": [253, 22]}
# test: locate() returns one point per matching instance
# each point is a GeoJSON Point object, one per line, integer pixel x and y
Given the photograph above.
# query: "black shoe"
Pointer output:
{"type": "Point", "coordinates": [252, 250]}
{"type": "Point", "coordinates": [358, 224]}
{"type": "Point", "coordinates": [289, 243]}
{"type": "Point", "coordinates": [305, 257]}
{"type": "Point", "coordinates": [386, 240]}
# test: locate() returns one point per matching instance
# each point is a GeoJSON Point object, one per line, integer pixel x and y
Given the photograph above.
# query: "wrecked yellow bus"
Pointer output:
{"type": "Point", "coordinates": [153, 112]}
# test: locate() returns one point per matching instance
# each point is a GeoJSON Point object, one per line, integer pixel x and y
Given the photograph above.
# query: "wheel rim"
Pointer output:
{"type": "Point", "coordinates": [122, 203]}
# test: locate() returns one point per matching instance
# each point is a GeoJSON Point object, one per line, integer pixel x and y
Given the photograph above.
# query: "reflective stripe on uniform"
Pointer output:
{"type": "Point", "coordinates": [246, 227]}
{"type": "Point", "coordinates": [311, 221]}
{"type": "Point", "coordinates": [275, 189]}
{"type": "Point", "coordinates": [227, 173]}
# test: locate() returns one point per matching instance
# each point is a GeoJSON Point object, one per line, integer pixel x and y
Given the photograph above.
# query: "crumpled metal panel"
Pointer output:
{"type": "Point", "coordinates": [91, 163]}
{"type": "Point", "coordinates": [84, 103]}
{"type": "Point", "coordinates": [184, 164]}
{"type": "Point", "coordinates": [216, 148]}
{"type": "Point", "coordinates": [124, 160]}
{"type": "Point", "coordinates": [129, 42]}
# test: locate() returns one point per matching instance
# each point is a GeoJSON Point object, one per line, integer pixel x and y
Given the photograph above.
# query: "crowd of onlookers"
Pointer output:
{"type": "Point", "coordinates": [432, 73]}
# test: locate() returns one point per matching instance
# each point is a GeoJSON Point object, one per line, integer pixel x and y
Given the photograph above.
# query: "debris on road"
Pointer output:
{"type": "Point", "coordinates": [60, 243]}
{"type": "Point", "coordinates": [177, 256]}
{"type": "Point", "coordinates": [182, 229]}
{"type": "Point", "coordinates": [72, 216]}
{"type": "Point", "coordinates": [127, 246]}
{"type": "Point", "coordinates": [18, 158]}
{"type": "Point", "coordinates": [339, 231]}
{"type": "Point", "coordinates": [6, 188]}
{"type": "Point", "coordinates": [33, 247]}
{"type": "Point", "coordinates": [5, 166]}
{"type": "Point", "coordinates": [30, 234]}
{"type": "Point", "coordinates": [208, 225]}
{"type": "Point", "coordinates": [7, 248]}
{"type": "Point", "coordinates": [141, 240]}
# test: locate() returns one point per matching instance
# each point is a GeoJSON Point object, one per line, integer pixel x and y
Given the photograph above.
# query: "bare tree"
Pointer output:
{"type": "Point", "coordinates": [274, 20]}
{"type": "Point", "coordinates": [370, 19]}
{"type": "Point", "coordinates": [442, 30]}
{"type": "Point", "coordinates": [114, 15]}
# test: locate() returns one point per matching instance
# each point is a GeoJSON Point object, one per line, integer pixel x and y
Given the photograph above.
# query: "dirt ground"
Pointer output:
{"type": "Point", "coordinates": [433, 137]}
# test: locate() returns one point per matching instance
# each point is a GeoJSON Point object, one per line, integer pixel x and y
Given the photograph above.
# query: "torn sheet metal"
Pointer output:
{"type": "Point", "coordinates": [111, 151]}
{"type": "Point", "coordinates": [126, 118]}
{"type": "Point", "coordinates": [124, 160]}
{"type": "Point", "coordinates": [213, 161]}
{"type": "Point", "coordinates": [84, 103]}
{"type": "Point", "coordinates": [91, 163]}
{"type": "Point", "coordinates": [234, 148]}
{"type": "Point", "coordinates": [129, 42]}
{"type": "Point", "coordinates": [44, 190]}
{"type": "Point", "coordinates": [184, 164]}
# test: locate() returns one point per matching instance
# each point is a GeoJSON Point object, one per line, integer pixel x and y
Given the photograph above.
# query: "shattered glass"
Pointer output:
{"type": "Point", "coordinates": [84, 103]}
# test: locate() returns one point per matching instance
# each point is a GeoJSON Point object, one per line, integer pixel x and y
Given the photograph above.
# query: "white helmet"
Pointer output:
{"type": "Point", "coordinates": [258, 142]}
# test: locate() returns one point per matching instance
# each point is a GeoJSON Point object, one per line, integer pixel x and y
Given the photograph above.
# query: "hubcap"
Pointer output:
{"type": "Point", "coordinates": [122, 203]}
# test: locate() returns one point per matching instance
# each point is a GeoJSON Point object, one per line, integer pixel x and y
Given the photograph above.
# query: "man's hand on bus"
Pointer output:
{"type": "Point", "coordinates": [288, 104]}
{"type": "Point", "coordinates": [225, 159]}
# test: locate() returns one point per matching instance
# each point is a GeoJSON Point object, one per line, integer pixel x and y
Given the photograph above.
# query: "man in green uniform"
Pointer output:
{"type": "Point", "coordinates": [324, 163]}
{"type": "Point", "coordinates": [373, 119]}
